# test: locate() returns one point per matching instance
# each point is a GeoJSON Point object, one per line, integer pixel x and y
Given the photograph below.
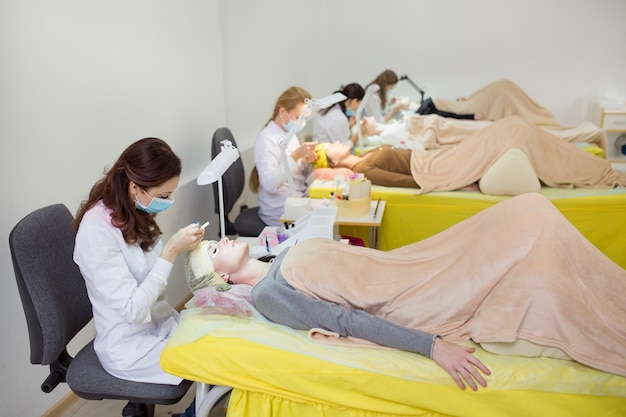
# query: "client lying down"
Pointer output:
{"type": "Point", "coordinates": [516, 278]}
{"type": "Point", "coordinates": [494, 101]}
{"type": "Point", "coordinates": [507, 150]}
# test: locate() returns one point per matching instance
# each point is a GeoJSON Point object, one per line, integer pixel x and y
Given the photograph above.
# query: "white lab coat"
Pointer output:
{"type": "Point", "coordinates": [332, 126]}
{"type": "Point", "coordinates": [273, 183]}
{"type": "Point", "coordinates": [125, 285]}
{"type": "Point", "coordinates": [372, 108]}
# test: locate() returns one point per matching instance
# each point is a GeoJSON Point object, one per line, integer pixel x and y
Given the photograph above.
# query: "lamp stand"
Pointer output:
{"type": "Point", "coordinates": [373, 88]}
{"type": "Point", "coordinates": [415, 86]}
{"type": "Point", "coordinates": [220, 191]}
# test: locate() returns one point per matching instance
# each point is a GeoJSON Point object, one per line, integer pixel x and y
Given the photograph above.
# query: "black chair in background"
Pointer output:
{"type": "Point", "coordinates": [56, 305]}
{"type": "Point", "coordinates": [247, 223]}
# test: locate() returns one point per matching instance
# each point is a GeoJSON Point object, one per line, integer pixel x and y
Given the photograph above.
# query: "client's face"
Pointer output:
{"type": "Point", "coordinates": [337, 151]}
{"type": "Point", "coordinates": [228, 256]}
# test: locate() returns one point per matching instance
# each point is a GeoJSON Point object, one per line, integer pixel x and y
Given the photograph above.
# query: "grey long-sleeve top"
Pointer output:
{"type": "Point", "coordinates": [282, 304]}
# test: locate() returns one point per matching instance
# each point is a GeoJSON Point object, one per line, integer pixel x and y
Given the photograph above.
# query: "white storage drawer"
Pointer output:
{"type": "Point", "coordinates": [615, 122]}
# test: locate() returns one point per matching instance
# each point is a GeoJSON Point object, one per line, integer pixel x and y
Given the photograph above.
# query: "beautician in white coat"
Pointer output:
{"type": "Point", "coordinates": [335, 123]}
{"type": "Point", "coordinates": [269, 176]}
{"type": "Point", "coordinates": [126, 264]}
{"type": "Point", "coordinates": [379, 106]}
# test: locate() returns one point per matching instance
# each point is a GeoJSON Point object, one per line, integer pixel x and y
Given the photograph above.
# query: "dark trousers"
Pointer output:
{"type": "Point", "coordinates": [428, 107]}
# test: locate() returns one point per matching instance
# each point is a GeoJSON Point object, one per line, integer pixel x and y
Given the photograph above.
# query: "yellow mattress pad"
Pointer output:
{"type": "Point", "coordinates": [281, 371]}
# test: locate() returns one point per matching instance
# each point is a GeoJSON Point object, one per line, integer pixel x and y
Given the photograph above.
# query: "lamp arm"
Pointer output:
{"type": "Point", "coordinates": [220, 191]}
{"type": "Point", "coordinates": [415, 86]}
{"type": "Point", "coordinates": [285, 159]}
{"type": "Point", "coordinates": [359, 111]}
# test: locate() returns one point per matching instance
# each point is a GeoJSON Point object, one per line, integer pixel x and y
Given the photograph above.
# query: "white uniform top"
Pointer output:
{"type": "Point", "coordinates": [372, 108]}
{"type": "Point", "coordinates": [332, 126]}
{"type": "Point", "coordinates": [125, 286]}
{"type": "Point", "coordinates": [273, 183]}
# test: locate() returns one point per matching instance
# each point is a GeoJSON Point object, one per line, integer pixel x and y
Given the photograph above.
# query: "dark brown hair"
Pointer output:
{"type": "Point", "coordinates": [351, 91]}
{"type": "Point", "coordinates": [149, 162]}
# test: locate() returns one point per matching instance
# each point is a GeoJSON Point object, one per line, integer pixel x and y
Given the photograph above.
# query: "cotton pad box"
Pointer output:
{"type": "Point", "coordinates": [353, 199]}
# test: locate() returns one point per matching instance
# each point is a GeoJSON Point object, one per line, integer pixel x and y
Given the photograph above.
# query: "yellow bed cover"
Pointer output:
{"type": "Point", "coordinates": [599, 214]}
{"type": "Point", "coordinates": [278, 371]}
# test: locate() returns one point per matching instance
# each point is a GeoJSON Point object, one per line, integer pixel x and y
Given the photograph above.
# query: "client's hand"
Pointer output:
{"type": "Point", "coordinates": [459, 362]}
{"type": "Point", "coordinates": [370, 126]}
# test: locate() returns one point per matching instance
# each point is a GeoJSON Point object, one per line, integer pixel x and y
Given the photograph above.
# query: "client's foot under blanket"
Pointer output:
{"type": "Point", "coordinates": [498, 100]}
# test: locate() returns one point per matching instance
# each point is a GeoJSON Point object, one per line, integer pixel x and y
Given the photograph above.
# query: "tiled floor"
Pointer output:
{"type": "Point", "coordinates": [111, 408]}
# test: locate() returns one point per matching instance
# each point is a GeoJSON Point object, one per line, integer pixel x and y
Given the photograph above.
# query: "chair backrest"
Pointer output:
{"type": "Point", "coordinates": [51, 287]}
{"type": "Point", "coordinates": [233, 179]}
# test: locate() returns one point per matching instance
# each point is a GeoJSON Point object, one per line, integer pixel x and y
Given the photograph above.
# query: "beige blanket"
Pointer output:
{"type": "Point", "coordinates": [497, 100]}
{"type": "Point", "coordinates": [518, 270]}
{"type": "Point", "coordinates": [434, 131]}
{"type": "Point", "coordinates": [557, 163]}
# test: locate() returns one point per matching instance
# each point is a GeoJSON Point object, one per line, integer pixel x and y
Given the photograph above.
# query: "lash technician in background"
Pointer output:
{"type": "Point", "coordinates": [523, 156]}
{"type": "Point", "coordinates": [268, 177]}
{"type": "Point", "coordinates": [335, 123]}
{"type": "Point", "coordinates": [380, 106]}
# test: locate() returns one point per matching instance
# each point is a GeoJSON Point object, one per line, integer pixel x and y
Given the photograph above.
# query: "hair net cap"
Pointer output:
{"type": "Point", "coordinates": [322, 158]}
{"type": "Point", "coordinates": [199, 268]}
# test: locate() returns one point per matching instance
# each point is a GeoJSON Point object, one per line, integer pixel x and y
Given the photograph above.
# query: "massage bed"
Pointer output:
{"type": "Point", "coordinates": [277, 371]}
{"type": "Point", "coordinates": [433, 131]}
{"type": "Point", "coordinates": [599, 214]}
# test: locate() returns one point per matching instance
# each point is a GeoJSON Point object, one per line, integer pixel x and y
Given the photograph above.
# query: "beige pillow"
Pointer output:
{"type": "Point", "coordinates": [524, 348]}
{"type": "Point", "coordinates": [511, 174]}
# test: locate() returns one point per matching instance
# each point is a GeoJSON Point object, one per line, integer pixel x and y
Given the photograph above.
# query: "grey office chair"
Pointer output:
{"type": "Point", "coordinates": [247, 223]}
{"type": "Point", "coordinates": [56, 305]}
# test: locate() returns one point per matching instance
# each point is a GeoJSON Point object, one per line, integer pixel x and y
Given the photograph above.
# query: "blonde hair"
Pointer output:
{"type": "Point", "coordinates": [288, 100]}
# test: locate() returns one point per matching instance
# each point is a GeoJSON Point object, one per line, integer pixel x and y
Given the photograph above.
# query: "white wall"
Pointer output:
{"type": "Point", "coordinates": [564, 53]}
{"type": "Point", "coordinates": [81, 80]}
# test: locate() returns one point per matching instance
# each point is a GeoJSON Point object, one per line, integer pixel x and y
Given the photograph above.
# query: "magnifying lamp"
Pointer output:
{"type": "Point", "coordinates": [214, 172]}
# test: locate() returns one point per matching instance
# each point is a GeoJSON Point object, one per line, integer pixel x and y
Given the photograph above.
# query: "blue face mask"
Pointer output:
{"type": "Point", "coordinates": [292, 125]}
{"type": "Point", "coordinates": [156, 205]}
{"type": "Point", "coordinates": [349, 112]}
